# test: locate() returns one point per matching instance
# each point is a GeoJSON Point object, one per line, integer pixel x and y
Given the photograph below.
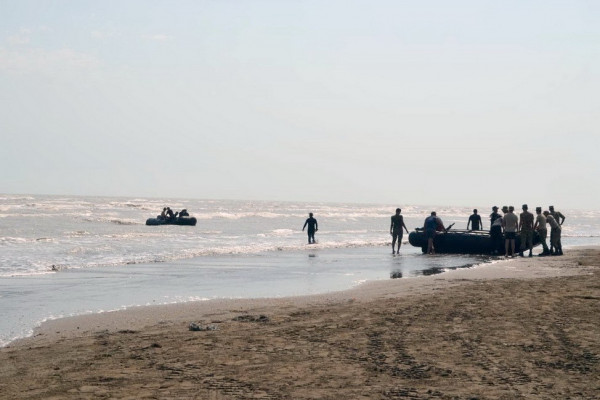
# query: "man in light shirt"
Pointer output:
{"type": "Point", "coordinates": [510, 224]}
{"type": "Point", "coordinates": [559, 218]}
{"type": "Point", "coordinates": [555, 232]}
{"type": "Point", "coordinates": [540, 227]}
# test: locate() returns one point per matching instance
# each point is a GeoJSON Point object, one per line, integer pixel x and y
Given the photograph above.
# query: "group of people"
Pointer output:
{"type": "Point", "coordinates": [168, 214]}
{"type": "Point", "coordinates": [503, 230]}
{"type": "Point", "coordinates": [509, 225]}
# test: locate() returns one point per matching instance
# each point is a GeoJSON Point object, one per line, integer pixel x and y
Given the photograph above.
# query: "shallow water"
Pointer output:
{"type": "Point", "coordinates": [107, 259]}
{"type": "Point", "coordinates": [26, 301]}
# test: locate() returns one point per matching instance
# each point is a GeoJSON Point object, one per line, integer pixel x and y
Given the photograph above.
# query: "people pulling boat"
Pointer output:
{"type": "Point", "coordinates": [559, 218]}
{"type": "Point", "coordinates": [510, 224]}
{"type": "Point", "coordinates": [496, 240]}
{"type": "Point", "coordinates": [463, 241]}
{"type": "Point", "coordinates": [542, 231]}
{"type": "Point", "coordinates": [526, 222]}
{"type": "Point", "coordinates": [432, 224]}
{"type": "Point", "coordinates": [555, 233]}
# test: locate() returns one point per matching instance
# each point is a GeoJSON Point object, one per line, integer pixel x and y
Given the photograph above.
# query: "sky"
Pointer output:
{"type": "Point", "coordinates": [400, 102]}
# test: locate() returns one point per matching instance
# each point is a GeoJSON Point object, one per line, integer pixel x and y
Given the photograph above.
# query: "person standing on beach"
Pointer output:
{"type": "Point", "coordinates": [510, 224]}
{"type": "Point", "coordinates": [526, 228]}
{"type": "Point", "coordinates": [396, 229]}
{"type": "Point", "coordinates": [559, 218]}
{"type": "Point", "coordinates": [312, 228]}
{"type": "Point", "coordinates": [430, 226]}
{"type": "Point", "coordinates": [555, 232]}
{"type": "Point", "coordinates": [495, 231]}
{"type": "Point", "coordinates": [475, 221]}
{"type": "Point", "coordinates": [540, 227]}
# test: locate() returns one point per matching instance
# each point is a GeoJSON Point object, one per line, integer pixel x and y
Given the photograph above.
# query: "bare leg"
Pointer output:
{"type": "Point", "coordinates": [430, 248]}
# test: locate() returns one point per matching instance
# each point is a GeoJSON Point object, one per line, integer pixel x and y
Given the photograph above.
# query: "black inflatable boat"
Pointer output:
{"type": "Point", "coordinates": [172, 221]}
{"type": "Point", "coordinates": [464, 242]}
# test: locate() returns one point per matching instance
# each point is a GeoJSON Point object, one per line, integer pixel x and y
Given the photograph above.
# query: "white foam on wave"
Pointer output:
{"type": "Point", "coordinates": [14, 240]}
{"type": "Point", "coordinates": [77, 232]}
{"type": "Point", "coordinates": [23, 273]}
{"type": "Point", "coordinates": [238, 215]}
{"type": "Point", "coordinates": [112, 220]}
{"type": "Point", "coordinates": [96, 259]}
{"type": "Point", "coordinates": [282, 232]}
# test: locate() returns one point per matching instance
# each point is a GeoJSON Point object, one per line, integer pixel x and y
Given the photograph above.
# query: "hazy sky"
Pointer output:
{"type": "Point", "coordinates": [402, 102]}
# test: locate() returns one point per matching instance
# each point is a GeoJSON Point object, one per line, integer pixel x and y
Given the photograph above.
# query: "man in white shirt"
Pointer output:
{"type": "Point", "coordinates": [540, 227]}
{"type": "Point", "coordinates": [555, 233]}
{"type": "Point", "coordinates": [510, 224]}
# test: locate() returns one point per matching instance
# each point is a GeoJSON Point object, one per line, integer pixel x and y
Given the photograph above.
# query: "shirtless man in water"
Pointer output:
{"type": "Point", "coordinates": [396, 230]}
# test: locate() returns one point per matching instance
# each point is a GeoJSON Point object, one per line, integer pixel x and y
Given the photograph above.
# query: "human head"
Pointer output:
{"type": "Point", "coordinates": [504, 209]}
{"type": "Point", "coordinates": [524, 207]}
{"type": "Point", "coordinates": [551, 208]}
{"type": "Point", "coordinates": [165, 209]}
{"type": "Point", "coordinates": [310, 214]}
{"type": "Point", "coordinates": [475, 211]}
{"type": "Point", "coordinates": [433, 214]}
{"type": "Point", "coordinates": [398, 211]}
{"type": "Point", "coordinates": [538, 210]}
{"type": "Point", "coordinates": [511, 208]}
{"type": "Point", "coordinates": [546, 213]}
{"type": "Point", "coordinates": [494, 209]}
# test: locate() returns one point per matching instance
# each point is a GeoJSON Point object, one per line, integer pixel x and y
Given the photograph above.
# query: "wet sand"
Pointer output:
{"type": "Point", "coordinates": [529, 328]}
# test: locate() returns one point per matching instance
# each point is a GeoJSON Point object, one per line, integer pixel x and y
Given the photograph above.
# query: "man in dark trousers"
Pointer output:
{"type": "Point", "coordinates": [526, 223]}
{"type": "Point", "coordinates": [560, 218]}
{"type": "Point", "coordinates": [312, 228]}
{"type": "Point", "coordinates": [496, 240]}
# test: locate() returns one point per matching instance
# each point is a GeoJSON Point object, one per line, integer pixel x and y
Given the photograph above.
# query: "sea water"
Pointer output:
{"type": "Point", "coordinates": [63, 256]}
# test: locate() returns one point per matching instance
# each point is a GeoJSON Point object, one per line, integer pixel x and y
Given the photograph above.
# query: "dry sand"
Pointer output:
{"type": "Point", "coordinates": [527, 328]}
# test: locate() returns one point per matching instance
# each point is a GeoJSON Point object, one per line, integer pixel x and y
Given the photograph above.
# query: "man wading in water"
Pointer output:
{"type": "Point", "coordinates": [396, 229]}
{"type": "Point", "coordinates": [312, 228]}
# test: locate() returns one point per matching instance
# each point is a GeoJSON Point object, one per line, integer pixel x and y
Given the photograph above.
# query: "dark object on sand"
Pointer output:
{"type": "Point", "coordinates": [252, 318]}
{"type": "Point", "coordinates": [172, 221]}
{"type": "Point", "coordinates": [464, 242]}
{"type": "Point", "coordinates": [197, 327]}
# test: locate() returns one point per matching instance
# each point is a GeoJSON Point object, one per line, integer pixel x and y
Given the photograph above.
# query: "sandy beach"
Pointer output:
{"type": "Point", "coordinates": [523, 328]}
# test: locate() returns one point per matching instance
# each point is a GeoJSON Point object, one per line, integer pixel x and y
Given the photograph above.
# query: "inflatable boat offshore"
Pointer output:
{"type": "Point", "coordinates": [464, 242]}
{"type": "Point", "coordinates": [172, 221]}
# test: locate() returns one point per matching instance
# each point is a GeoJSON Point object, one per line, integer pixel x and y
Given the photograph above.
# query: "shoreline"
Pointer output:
{"type": "Point", "coordinates": [266, 275]}
{"type": "Point", "coordinates": [139, 317]}
{"type": "Point", "coordinates": [518, 328]}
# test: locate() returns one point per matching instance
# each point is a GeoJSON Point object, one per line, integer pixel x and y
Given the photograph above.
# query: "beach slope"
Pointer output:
{"type": "Point", "coordinates": [531, 329]}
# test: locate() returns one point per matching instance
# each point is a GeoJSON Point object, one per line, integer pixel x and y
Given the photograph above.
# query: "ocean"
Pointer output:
{"type": "Point", "coordinates": [65, 255]}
